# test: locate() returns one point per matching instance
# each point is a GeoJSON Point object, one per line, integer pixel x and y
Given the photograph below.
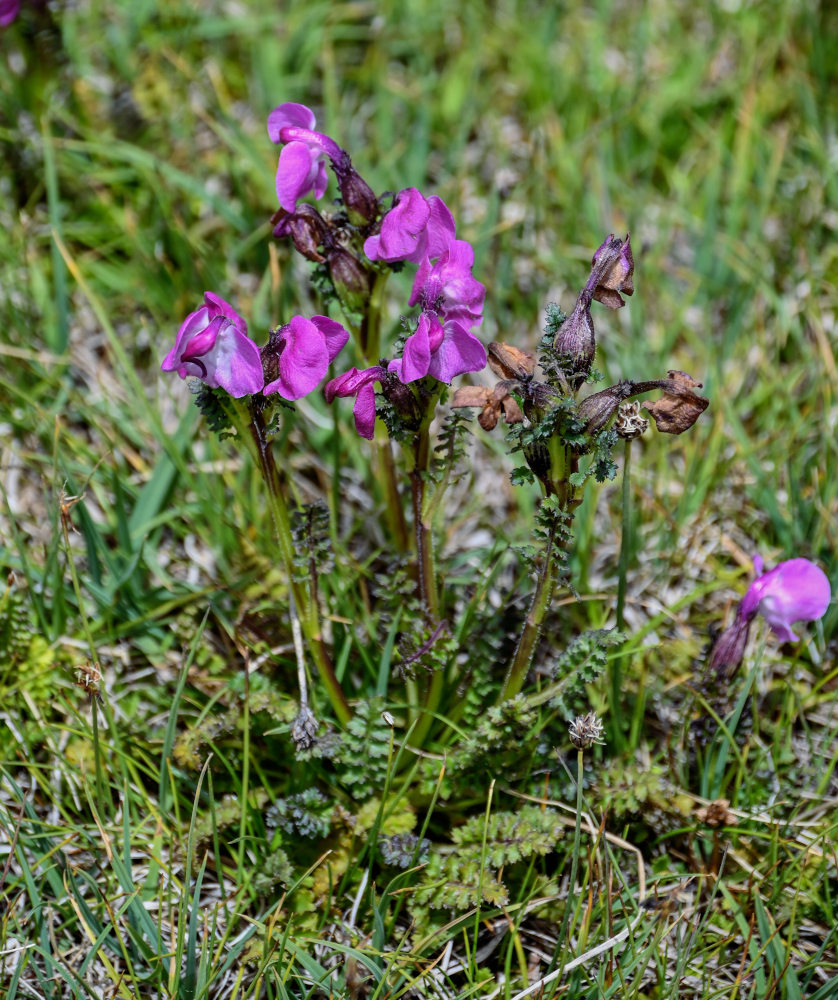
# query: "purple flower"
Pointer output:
{"type": "Point", "coordinates": [297, 355]}
{"type": "Point", "coordinates": [449, 288]}
{"type": "Point", "coordinates": [213, 345]}
{"type": "Point", "coordinates": [415, 228]}
{"type": "Point", "coordinates": [794, 591]}
{"type": "Point", "coordinates": [360, 385]}
{"type": "Point", "coordinates": [9, 10]}
{"type": "Point", "coordinates": [442, 351]}
{"type": "Point", "coordinates": [301, 168]}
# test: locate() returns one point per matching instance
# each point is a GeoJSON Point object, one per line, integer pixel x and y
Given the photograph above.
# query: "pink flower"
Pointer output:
{"type": "Point", "coordinates": [442, 351]}
{"type": "Point", "coordinates": [301, 167]}
{"type": "Point", "coordinates": [449, 288]}
{"type": "Point", "coordinates": [297, 355]}
{"type": "Point", "coordinates": [360, 385]}
{"type": "Point", "coordinates": [415, 228]}
{"type": "Point", "coordinates": [794, 591]}
{"type": "Point", "coordinates": [212, 345]}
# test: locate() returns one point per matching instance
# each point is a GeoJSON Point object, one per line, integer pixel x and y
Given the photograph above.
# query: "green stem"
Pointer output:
{"type": "Point", "coordinates": [369, 335]}
{"type": "Point", "coordinates": [625, 539]}
{"type": "Point", "coordinates": [614, 667]}
{"type": "Point", "coordinates": [306, 607]}
{"type": "Point", "coordinates": [574, 863]}
{"type": "Point", "coordinates": [525, 649]}
{"type": "Point", "coordinates": [422, 527]}
{"type": "Point", "coordinates": [394, 511]}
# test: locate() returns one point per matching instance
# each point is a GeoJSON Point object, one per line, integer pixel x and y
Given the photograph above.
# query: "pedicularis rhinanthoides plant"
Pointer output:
{"type": "Point", "coordinates": [355, 247]}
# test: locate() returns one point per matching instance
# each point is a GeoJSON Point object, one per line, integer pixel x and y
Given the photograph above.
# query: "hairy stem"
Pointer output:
{"type": "Point", "coordinates": [524, 651]}
{"type": "Point", "coordinates": [304, 603]}
{"type": "Point", "coordinates": [422, 526]}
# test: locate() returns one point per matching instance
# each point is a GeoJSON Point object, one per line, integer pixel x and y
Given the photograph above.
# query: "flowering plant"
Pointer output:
{"type": "Point", "coordinates": [565, 443]}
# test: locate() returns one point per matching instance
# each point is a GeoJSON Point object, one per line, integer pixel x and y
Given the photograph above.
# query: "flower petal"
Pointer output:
{"type": "Point", "coordinates": [303, 362]}
{"type": "Point", "coordinates": [289, 114]}
{"type": "Point", "coordinates": [297, 173]}
{"type": "Point", "coordinates": [334, 334]}
{"type": "Point", "coordinates": [459, 352]}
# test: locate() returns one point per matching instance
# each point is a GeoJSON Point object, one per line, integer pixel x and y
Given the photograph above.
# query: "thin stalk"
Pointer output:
{"type": "Point", "coordinates": [422, 527]}
{"type": "Point", "coordinates": [394, 511]}
{"type": "Point", "coordinates": [625, 539]}
{"type": "Point", "coordinates": [245, 785]}
{"type": "Point", "coordinates": [306, 607]}
{"type": "Point", "coordinates": [525, 649]}
{"type": "Point", "coordinates": [574, 862]}
{"type": "Point", "coordinates": [614, 668]}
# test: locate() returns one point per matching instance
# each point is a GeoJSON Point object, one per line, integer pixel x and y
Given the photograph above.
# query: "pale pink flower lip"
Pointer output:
{"type": "Point", "coordinates": [794, 591]}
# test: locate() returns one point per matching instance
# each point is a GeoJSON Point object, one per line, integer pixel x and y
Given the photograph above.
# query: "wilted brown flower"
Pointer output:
{"type": "Point", "coordinates": [508, 361]}
{"type": "Point", "coordinates": [494, 402]}
{"type": "Point", "coordinates": [612, 272]}
{"type": "Point", "coordinates": [515, 367]}
{"type": "Point", "coordinates": [679, 407]}
{"type": "Point", "coordinates": [716, 814]}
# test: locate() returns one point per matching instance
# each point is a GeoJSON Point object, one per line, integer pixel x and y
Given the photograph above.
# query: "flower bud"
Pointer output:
{"type": "Point", "coordinates": [350, 279]}
{"type": "Point", "coordinates": [359, 199]}
{"type": "Point", "coordinates": [576, 341]}
{"type": "Point", "coordinates": [307, 229]}
{"type": "Point", "coordinates": [730, 647]}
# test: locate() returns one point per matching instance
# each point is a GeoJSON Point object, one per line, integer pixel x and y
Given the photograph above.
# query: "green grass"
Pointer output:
{"type": "Point", "coordinates": [140, 853]}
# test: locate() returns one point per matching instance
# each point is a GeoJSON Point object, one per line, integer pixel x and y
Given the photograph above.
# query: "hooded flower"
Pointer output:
{"type": "Point", "coordinates": [358, 383]}
{"type": "Point", "coordinates": [612, 271]}
{"type": "Point", "coordinates": [301, 168]}
{"type": "Point", "coordinates": [297, 355]}
{"type": "Point", "coordinates": [449, 288]}
{"type": "Point", "coordinates": [794, 591]}
{"type": "Point", "coordinates": [415, 228]}
{"type": "Point", "coordinates": [442, 351]}
{"type": "Point", "coordinates": [212, 345]}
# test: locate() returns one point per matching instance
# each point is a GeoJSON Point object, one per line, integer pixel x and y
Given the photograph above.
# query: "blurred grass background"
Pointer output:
{"type": "Point", "coordinates": [137, 172]}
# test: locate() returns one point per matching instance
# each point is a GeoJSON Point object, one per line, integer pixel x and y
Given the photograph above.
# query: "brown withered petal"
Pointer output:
{"type": "Point", "coordinates": [716, 813]}
{"type": "Point", "coordinates": [471, 395]}
{"type": "Point", "coordinates": [612, 270]}
{"type": "Point", "coordinates": [679, 407]}
{"type": "Point", "coordinates": [507, 361]}
{"type": "Point", "coordinates": [494, 402]}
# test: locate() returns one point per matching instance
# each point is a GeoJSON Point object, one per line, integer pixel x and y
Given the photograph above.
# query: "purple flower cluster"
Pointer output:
{"type": "Point", "coordinates": [421, 231]}
{"type": "Point", "coordinates": [794, 591]}
{"type": "Point", "coordinates": [213, 344]}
